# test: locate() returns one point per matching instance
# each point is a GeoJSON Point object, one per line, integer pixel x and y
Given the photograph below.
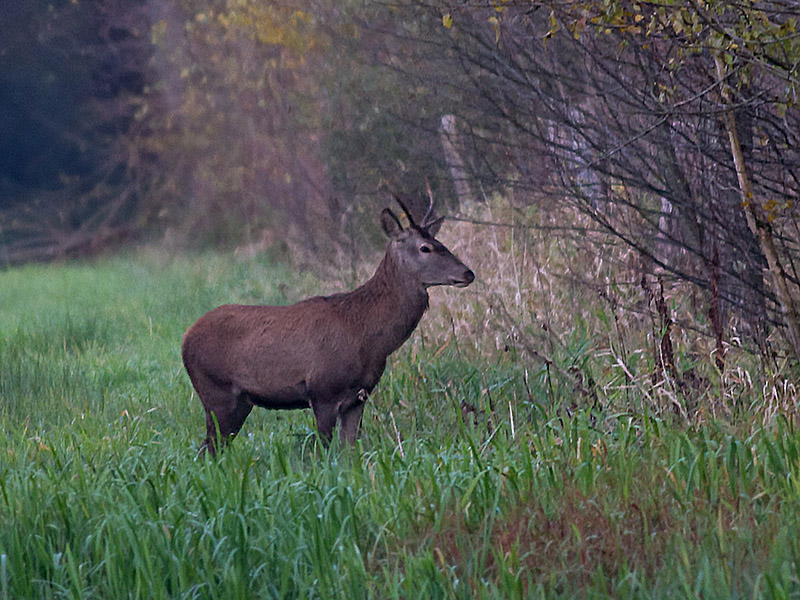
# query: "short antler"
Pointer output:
{"type": "Point", "coordinates": [426, 220]}
{"type": "Point", "coordinates": [405, 210]}
{"type": "Point", "coordinates": [429, 223]}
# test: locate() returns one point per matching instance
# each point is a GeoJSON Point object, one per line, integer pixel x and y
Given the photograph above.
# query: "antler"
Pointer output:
{"type": "Point", "coordinates": [426, 219]}
{"type": "Point", "coordinates": [405, 210]}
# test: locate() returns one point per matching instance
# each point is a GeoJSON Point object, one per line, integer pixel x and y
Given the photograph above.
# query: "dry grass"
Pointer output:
{"type": "Point", "coordinates": [571, 540]}
{"type": "Point", "coordinates": [571, 300]}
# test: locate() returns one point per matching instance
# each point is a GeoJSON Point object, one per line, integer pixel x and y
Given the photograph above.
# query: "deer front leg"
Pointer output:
{"type": "Point", "coordinates": [325, 412]}
{"type": "Point", "coordinates": [344, 409]}
{"type": "Point", "coordinates": [350, 411]}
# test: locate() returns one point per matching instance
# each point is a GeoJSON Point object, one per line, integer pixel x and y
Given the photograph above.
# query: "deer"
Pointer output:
{"type": "Point", "coordinates": [326, 353]}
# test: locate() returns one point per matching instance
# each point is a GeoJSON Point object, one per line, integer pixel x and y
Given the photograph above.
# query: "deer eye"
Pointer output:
{"type": "Point", "coordinates": [425, 249]}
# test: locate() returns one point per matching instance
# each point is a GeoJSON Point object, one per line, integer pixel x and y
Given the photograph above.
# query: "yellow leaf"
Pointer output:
{"type": "Point", "coordinates": [158, 32]}
{"type": "Point", "coordinates": [496, 26]}
{"type": "Point", "coordinates": [447, 20]}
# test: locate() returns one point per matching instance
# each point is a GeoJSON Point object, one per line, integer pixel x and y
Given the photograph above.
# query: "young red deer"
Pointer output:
{"type": "Point", "coordinates": [326, 352]}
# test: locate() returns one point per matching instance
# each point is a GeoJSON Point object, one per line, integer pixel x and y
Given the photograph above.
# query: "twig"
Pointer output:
{"type": "Point", "coordinates": [397, 434]}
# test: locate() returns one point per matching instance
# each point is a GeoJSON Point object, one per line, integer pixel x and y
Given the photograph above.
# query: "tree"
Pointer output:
{"type": "Point", "coordinates": [617, 108]}
{"type": "Point", "coordinates": [65, 176]}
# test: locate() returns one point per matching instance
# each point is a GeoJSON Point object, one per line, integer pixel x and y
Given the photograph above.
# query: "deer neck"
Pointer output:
{"type": "Point", "coordinates": [389, 306]}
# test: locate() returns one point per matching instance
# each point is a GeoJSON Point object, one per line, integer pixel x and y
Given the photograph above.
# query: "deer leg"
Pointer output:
{"type": "Point", "coordinates": [325, 414]}
{"type": "Point", "coordinates": [229, 417]}
{"type": "Point", "coordinates": [350, 412]}
{"type": "Point", "coordinates": [226, 412]}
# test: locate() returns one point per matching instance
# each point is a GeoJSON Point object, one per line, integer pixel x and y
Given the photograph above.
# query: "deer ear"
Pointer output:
{"type": "Point", "coordinates": [390, 223]}
{"type": "Point", "coordinates": [434, 226]}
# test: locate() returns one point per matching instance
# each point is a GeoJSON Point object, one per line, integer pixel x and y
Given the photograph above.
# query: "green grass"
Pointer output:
{"type": "Point", "coordinates": [101, 494]}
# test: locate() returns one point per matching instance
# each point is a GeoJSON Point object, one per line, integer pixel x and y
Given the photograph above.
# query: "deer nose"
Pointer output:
{"type": "Point", "coordinates": [467, 278]}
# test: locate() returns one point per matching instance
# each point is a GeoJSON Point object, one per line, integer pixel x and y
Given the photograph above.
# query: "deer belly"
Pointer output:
{"type": "Point", "coordinates": [286, 398]}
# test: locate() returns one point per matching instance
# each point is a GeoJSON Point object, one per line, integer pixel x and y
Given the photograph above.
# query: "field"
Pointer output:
{"type": "Point", "coordinates": [475, 475]}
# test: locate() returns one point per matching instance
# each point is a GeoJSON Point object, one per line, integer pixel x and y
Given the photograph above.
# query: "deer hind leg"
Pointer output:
{"type": "Point", "coordinates": [229, 419]}
{"type": "Point", "coordinates": [226, 412]}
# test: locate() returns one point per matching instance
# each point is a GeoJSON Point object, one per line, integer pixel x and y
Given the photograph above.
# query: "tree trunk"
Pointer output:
{"type": "Point", "coordinates": [755, 220]}
{"type": "Point", "coordinates": [458, 170]}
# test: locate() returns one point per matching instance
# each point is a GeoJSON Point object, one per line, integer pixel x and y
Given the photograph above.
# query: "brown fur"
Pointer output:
{"type": "Point", "coordinates": [326, 352]}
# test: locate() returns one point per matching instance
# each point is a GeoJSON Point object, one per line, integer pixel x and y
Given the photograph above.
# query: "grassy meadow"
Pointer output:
{"type": "Point", "coordinates": [481, 472]}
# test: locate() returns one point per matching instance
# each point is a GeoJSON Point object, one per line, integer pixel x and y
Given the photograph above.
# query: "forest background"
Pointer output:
{"type": "Point", "coordinates": [642, 154]}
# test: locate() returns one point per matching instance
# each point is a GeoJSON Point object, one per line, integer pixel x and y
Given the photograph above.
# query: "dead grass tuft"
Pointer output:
{"type": "Point", "coordinates": [571, 540]}
{"type": "Point", "coordinates": [564, 296]}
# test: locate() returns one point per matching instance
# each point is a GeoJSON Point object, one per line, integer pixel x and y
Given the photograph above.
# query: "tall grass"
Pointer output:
{"type": "Point", "coordinates": [480, 472]}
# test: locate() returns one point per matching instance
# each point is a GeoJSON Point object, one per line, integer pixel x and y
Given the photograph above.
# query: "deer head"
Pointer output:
{"type": "Point", "coordinates": [418, 252]}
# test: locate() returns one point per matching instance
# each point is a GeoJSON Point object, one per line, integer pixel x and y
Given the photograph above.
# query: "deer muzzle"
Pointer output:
{"type": "Point", "coordinates": [467, 278]}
